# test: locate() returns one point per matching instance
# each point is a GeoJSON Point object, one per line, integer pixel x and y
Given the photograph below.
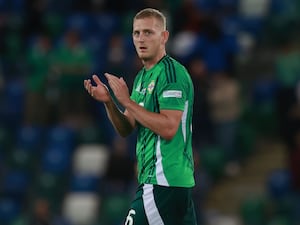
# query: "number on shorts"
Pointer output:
{"type": "Point", "coordinates": [129, 218]}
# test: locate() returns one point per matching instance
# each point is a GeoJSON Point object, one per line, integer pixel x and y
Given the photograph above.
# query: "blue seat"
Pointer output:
{"type": "Point", "coordinates": [56, 160]}
{"type": "Point", "coordinates": [279, 184]}
{"type": "Point", "coordinates": [12, 107]}
{"type": "Point", "coordinates": [106, 23]}
{"type": "Point", "coordinates": [79, 21]}
{"type": "Point", "coordinates": [84, 183]}
{"type": "Point", "coordinates": [3, 6]}
{"type": "Point", "coordinates": [282, 7]}
{"type": "Point", "coordinates": [17, 6]}
{"type": "Point", "coordinates": [9, 210]}
{"type": "Point", "coordinates": [252, 25]}
{"type": "Point", "coordinates": [29, 138]}
{"type": "Point", "coordinates": [215, 53]}
{"type": "Point", "coordinates": [207, 5]}
{"type": "Point", "coordinates": [60, 136]}
{"type": "Point", "coordinates": [295, 210]}
{"type": "Point", "coordinates": [230, 25]}
{"type": "Point", "coordinates": [16, 184]}
{"type": "Point", "coordinates": [264, 90]}
{"type": "Point", "coordinates": [228, 3]}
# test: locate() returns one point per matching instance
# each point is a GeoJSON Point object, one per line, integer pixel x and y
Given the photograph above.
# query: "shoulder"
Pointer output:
{"type": "Point", "coordinates": [173, 70]}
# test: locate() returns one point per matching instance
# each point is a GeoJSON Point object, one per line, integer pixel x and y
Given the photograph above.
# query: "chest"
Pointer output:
{"type": "Point", "coordinates": [146, 92]}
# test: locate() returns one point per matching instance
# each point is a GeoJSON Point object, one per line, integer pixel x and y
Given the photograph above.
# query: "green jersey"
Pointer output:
{"type": "Point", "coordinates": [166, 86]}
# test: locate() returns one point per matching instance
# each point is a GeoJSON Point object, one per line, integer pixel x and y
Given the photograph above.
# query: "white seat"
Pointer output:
{"type": "Point", "coordinates": [81, 208]}
{"type": "Point", "coordinates": [90, 159]}
{"type": "Point", "coordinates": [254, 8]}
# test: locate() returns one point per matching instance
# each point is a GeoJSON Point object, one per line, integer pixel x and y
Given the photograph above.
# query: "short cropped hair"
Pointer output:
{"type": "Point", "coordinates": [150, 12]}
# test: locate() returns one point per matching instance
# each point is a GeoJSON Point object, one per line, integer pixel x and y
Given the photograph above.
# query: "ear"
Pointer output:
{"type": "Point", "coordinates": [165, 35]}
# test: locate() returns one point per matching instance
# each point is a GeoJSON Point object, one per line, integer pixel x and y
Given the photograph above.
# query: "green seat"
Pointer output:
{"type": "Point", "coordinates": [20, 220]}
{"type": "Point", "coordinates": [280, 220]}
{"type": "Point", "coordinates": [114, 208]}
{"type": "Point", "coordinates": [253, 210]}
{"type": "Point", "coordinates": [212, 160]}
{"type": "Point", "coordinates": [54, 24]}
{"type": "Point", "coordinates": [126, 25]}
{"type": "Point", "coordinates": [265, 118]}
{"type": "Point", "coordinates": [5, 140]}
{"type": "Point", "coordinates": [91, 135]}
{"type": "Point", "coordinates": [50, 187]}
{"type": "Point", "coordinates": [13, 42]}
{"type": "Point", "coordinates": [22, 160]}
{"type": "Point", "coordinates": [246, 139]}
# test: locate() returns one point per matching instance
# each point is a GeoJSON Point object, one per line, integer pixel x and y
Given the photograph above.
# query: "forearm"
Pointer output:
{"type": "Point", "coordinates": [159, 123]}
{"type": "Point", "coordinates": [120, 122]}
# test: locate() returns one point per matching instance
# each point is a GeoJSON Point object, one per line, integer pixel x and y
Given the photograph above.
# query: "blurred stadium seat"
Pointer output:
{"type": "Point", "coordinates": [106, 23]}
{"type": "Point", "coordinates": [212, 160]}
{"type": "Point", "coordinates": [23, 160]}
{"type": "Point", "coordinates": [84, 183]}
{"type": "Point", "coordinates": [9, 209]}
{"type": "Point", "coordinates": [6, 139]}
{"type": "Point", "coordinates": [17, 6]}
{"type": "Point", "coordinates": [51, 187]}
{"type": "Point", "coordinates": [91, 135]}
{"type": "Point", "coordinates": [62, 136]}
{"type": "Point", "coordinates": [13, 104]}
{"type": "Point", "coordinates": [56, 159]}
{"type": "Point", "coordinates": [253, 210]}
{"type": "Point", "coordinates": [246, 139]}
{"type": "Point", "coordinates": [278, 184]}
{"type": "Point", "coordinates": [81, 22]}
{"type": "Point", "coordinates": [15, 184]}
{"type": "Point", "coordinates": [29, 138]}
{"type": "Point", "coordinates": [114, 208]}
{"type": "Point", "coordinates": [90, 159]}
{"type": "Point", "coordinates": [81, 208]}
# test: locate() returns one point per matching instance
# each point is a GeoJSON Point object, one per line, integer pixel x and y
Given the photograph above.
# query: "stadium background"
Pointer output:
{"type": "Point", "coordinates": [59, 156]}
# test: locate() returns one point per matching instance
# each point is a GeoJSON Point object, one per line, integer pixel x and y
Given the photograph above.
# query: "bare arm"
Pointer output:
{"type": "Point", "coordinates": [123, 124]}
{"type": "Point", "coordinates": [164, 123]}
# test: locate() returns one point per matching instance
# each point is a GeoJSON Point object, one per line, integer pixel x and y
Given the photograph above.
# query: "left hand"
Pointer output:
{"type": "Point", "coordinates": [119, 87]}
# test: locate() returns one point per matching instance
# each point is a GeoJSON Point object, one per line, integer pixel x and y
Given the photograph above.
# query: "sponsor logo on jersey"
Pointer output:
{"type": "Point", "coordinates": [172, 94]}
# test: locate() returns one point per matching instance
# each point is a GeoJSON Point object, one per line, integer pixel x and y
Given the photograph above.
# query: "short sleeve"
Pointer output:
{"type": "Point", "coordinates": [172, 96]}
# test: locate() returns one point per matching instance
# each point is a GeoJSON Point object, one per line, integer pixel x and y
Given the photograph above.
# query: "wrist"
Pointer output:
{"type": "Point", "coordinates": [127, 103]}
{"type": "Point", "coordinates": [109, 102]}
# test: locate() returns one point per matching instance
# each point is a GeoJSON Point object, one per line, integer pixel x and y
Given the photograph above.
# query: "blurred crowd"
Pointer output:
{"type": "Point", "coordinates": [244, 59]}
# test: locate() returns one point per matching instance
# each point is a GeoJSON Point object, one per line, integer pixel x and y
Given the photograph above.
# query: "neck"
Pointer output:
{"type": "Point", "coordinates": [149, 63]}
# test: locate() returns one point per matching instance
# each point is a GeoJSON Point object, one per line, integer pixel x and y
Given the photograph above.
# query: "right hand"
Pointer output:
{"type": "Point", "coordinates": [99, 91]}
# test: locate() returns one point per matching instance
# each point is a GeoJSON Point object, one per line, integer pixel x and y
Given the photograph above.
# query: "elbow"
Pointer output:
{"type": "Point", "coordinates": [168, 134]}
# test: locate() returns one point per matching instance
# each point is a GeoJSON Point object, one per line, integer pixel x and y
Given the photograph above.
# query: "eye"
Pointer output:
{"type": "Point", "coordinates": [147, 32]}
{"type": "Point", "coordinates": [136, 33]}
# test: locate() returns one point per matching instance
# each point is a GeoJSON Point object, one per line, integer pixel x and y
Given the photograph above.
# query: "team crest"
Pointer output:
{"type": "Point", "coordinates": [151, 87]}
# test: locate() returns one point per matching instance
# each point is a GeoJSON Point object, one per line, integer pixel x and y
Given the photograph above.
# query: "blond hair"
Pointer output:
{"type": "Point", "coordinates": [150, 12]}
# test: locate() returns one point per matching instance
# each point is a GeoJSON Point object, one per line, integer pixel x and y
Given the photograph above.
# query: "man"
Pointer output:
{"type": "Point", "coordinates": [160, 107]}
